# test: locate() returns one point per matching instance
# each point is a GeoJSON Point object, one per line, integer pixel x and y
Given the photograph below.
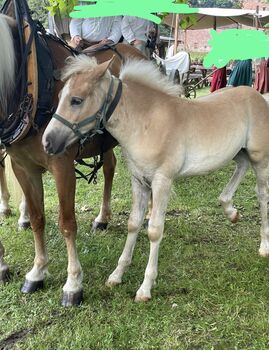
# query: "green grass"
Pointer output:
{"type": "Point", "coordinates": [212, 290]}
{"type": "Point", "coordinates": [202, 92]}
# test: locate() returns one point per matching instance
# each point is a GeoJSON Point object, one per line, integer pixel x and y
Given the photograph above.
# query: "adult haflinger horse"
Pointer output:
{"type": "Point", "coordinates": [29, 159]}
{"type": "Point", "coordinates": [167, 138]}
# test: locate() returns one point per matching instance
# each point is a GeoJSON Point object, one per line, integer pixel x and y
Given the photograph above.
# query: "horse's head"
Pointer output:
{"type": "Point", "coordinates": [80, 103]}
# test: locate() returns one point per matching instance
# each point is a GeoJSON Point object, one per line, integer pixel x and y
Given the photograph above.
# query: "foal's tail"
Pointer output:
{"type": "Point", "coordinates": [12, 182]}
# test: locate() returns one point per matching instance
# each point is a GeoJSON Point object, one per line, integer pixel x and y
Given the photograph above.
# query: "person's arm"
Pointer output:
{"type": "Point", "coordinates": [126, 30]}
{"type": "Point", "coordinates": [75, 27]}
{"type": "Point", "coordinates": [115, 32]}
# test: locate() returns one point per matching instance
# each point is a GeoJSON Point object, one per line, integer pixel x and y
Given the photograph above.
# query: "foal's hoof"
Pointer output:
{"type": "Point", "coordinates": [112, 283]}
{"type": "Point", "coordinates": [24, 225]}
{"type": "Point", "coordinates": [5, 212]}
{"type": "Point", "coordinates": [264, 253]}
{"type": "Point", "coordinates": [235, 217]}
{"type": "Point", "coordinates": [142, 298]}
{"type": "Point", "coordinates": [4, 276]}
{"type": "Point", "coordinates": [99, 225]}
{"type": "Point", "coordinates": [72, 299]}
{"type": "Point", "coordinates": [31, 286]}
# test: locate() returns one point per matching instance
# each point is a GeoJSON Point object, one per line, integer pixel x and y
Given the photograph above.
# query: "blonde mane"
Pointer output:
{"type": "Point", "coordinates": [76, 65]}
{"type": "Point", "coordinates": [146, 73]}
{"type": "Point", "coordinates": [7, 63]}
{"type": "Point", "coordinates": [143, 72]}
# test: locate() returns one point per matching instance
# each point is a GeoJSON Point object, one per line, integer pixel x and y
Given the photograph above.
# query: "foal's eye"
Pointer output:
{"type": "Point", "coordinates": [75, 101]}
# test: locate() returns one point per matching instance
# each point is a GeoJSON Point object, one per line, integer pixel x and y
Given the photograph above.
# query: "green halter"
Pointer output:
{"type": "Point", "coordinates": [101, 116]}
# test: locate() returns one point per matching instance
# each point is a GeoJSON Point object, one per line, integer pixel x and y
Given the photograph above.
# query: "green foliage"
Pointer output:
{"type": "Point", "coordinates": [216, 3]}
{"type": "Point", "coordinates": [39, 10]}
{"type": "Point", "coordinates": [62, 7]}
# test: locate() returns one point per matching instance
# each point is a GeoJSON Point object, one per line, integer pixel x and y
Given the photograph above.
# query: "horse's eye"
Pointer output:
{"type": "Point", "coordinates": [75, 101]}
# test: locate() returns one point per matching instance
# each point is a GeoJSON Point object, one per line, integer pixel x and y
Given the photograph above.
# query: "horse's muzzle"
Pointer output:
{"type": "Point", "coordinates": [52, 144]}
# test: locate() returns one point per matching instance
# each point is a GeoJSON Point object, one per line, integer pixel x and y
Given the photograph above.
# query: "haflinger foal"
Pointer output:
{"type": "Point", "coordinates": [168, 138]}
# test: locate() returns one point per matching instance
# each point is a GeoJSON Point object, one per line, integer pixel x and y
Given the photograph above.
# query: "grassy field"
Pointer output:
{"type": "Point", "coordinates": [211, 293]}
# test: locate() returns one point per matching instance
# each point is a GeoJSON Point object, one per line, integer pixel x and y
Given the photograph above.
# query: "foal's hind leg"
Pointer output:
{"type": "Point", "coordinates": [261, 170]}
{"type": "Point", "coordinates": [226, 197]}
{"type": "Point", "coordinates": [140, 199]}
{"type": "Point", "coordinates": [30, 180]}
{"type": "Point", "coordinates": [104, 215]}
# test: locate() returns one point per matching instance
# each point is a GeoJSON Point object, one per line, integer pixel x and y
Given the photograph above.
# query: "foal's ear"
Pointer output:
{"type": "Point", "coordinates": [103, 67]}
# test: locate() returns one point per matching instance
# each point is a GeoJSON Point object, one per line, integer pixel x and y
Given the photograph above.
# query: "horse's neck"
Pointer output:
{"type": "Point", "coordinates": [128, 117]}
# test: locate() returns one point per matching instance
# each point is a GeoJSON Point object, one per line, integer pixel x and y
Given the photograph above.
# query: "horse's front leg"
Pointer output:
{"type": "Point", "coordinates": [161, 187]}
{"type": "Point", "coordinates": [4, 270]}
{"type": "Point", "coordinates": [104, 215]}
{"type": "Point", "coordinates": [64, 174]}
{"type": "Point", "coordinates": [5, 196]}
{"type": "Point", "coordinates": [141, 195]}
{"type": "Point", "coordinates": [30, 180]}
{"type": "Point", "coordinates": [24, 220]}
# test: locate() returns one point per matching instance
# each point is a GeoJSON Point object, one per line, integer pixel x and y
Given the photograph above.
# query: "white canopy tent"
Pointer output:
{"type": "Point", "coordinates": [219, 17]}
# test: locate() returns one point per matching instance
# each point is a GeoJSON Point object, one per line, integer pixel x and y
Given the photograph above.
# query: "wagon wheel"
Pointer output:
{"type": "Point", "coordinates": [190, 91]}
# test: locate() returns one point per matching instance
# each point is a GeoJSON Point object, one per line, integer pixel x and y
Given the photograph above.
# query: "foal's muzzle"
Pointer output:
{"type": "Point", "coordinates": [53, 143]}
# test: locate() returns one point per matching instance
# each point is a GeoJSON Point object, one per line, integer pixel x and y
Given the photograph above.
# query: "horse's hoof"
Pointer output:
{"type": "Point", "coordinates": [235, 217]}
{"type": "Point", "coordinates": [99, 225]}
{"type": "Point", "coordinates": [263, 253]}
{"type": "Point", "coordinates": [24, 225]}
{"type": "Point", "coordinates": [5, 212]}
{"type": "Point", "coordinates": [31, 286]}
{"type": "Point", "coordinates": [142, 298]}
{"type": "Point", "coordinates": [72, 299]}
{"type": "Point", "coordinates": [4, 276]}
{"type": "Point", "coordinates": [112, 283]}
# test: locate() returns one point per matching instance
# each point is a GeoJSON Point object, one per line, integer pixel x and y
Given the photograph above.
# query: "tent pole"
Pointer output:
{"type": "Point", "coordinates": [176, 33]}
{"type": "Point", "coordinates": [256, 17]}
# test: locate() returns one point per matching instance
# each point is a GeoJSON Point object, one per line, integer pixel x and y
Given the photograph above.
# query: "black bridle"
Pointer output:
{"type": "Point", "coordinates": [101, 116]}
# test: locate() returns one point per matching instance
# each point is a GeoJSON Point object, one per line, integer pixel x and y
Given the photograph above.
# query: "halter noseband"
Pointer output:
{"type": "Point", "coordinates": [101, 116]}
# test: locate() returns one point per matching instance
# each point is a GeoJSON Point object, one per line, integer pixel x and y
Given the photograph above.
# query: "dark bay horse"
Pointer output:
{"type": "Point", "coordinates": [29, 161]}
{"type": "Point", "coordinates": [170, 138]}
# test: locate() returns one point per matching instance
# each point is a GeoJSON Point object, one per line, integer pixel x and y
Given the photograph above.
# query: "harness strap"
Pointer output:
{"type": "Point", "coordinates": [114, 103]}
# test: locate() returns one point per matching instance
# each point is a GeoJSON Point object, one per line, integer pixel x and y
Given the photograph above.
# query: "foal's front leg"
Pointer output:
{"type": "Point", "coordinates": [141, 195]}
{"type": "Point", "coordinates": [161, 187]}
{"type": "Point", "coordinates": [64, 174]}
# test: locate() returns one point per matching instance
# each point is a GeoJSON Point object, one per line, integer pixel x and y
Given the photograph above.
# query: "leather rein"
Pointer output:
{"type": "Point", "coordinates": [101, 116]}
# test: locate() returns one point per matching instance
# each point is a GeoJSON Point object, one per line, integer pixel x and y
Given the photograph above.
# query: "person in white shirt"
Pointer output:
{"type": "Point", "coordinates": [99, 30]}
{"type": "Point", "coordinates": [135, 31]}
